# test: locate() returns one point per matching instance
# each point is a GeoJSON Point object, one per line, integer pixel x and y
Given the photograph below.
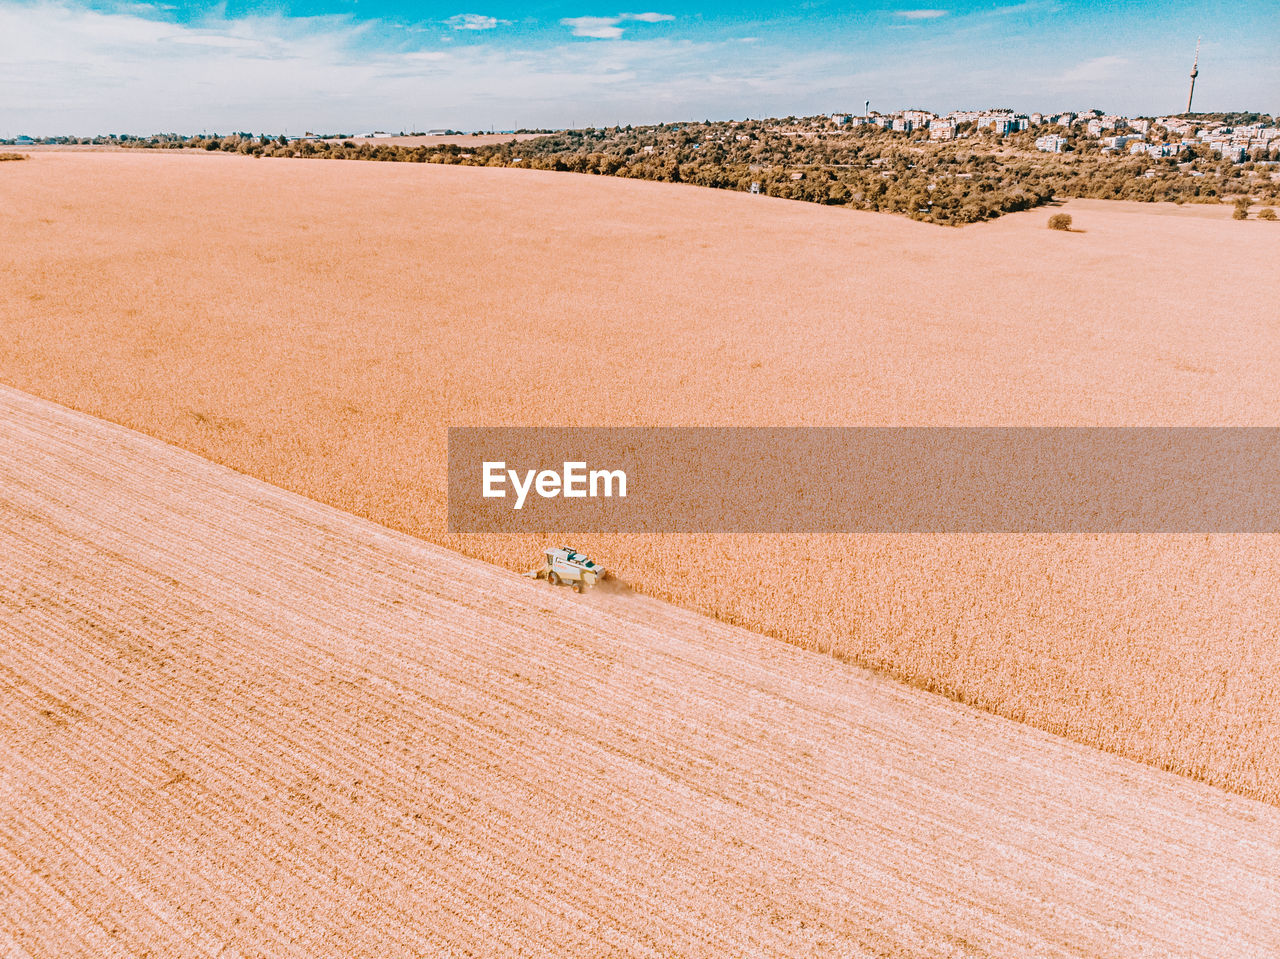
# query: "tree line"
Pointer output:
{"type": "Point", "coordinates": [966, 180]}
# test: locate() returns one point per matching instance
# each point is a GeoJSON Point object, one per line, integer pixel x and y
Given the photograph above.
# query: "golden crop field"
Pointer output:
{"type": "Point", "coordinates": [236, 722]}
{"type": "Point", "coordinates": [320, 324]}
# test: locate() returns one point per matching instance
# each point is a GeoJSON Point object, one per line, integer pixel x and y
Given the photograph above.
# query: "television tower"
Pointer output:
{"type": "Point", "coordinates": [1195, 72]}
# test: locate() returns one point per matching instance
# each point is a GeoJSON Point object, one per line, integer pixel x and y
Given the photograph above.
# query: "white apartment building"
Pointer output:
{"type": "Point", "coordinates": [1052, 143]}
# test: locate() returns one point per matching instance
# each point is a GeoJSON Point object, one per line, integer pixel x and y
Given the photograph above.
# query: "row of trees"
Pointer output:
{"type": "Point", "coordinates": [956, 182]}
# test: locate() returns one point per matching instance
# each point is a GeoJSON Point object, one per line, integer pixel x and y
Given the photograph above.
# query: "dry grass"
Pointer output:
{"type": "Point", "coordinates": [319, 325]}
{"type": "Point", "coordinates": [235, 722]}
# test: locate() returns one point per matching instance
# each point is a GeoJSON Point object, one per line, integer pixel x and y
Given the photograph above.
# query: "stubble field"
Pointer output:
{"type": "Point", "coordinates": [319, 325]}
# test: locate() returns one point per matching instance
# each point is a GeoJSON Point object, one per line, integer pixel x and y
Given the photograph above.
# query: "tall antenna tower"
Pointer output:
{"type": "Point", "coordinates": [1195, 72]}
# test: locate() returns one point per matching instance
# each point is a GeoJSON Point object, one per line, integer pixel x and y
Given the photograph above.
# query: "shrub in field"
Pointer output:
{"type": "Point", "coordinates": [1267, 214]}
{"type": "Point", "coordinates": [1241, 211]}
{"type": "Point", "coordinates": [1060, 221]}
{"type": "Point", "coordinates": [12, 156]}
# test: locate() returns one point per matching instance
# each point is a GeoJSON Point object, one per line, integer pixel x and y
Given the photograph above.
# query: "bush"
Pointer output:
{"type": "Point", "coordinates": [1241, 211]}
{"type": "Point", "coordinates": [1060, 221]}
{"type": "Point", "coordinates": [1267, 214]}
{"type": "Point", "coordinates": [23, 156]}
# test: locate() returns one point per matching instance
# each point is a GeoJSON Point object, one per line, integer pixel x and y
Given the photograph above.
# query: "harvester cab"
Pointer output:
{"type": "Point", "coordinates": [565, 565]}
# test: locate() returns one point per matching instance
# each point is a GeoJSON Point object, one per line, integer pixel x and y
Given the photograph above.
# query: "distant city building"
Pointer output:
{"type": "Point", "coordinates": [1174, 125]}
{"type": "Point", "coordinates": [1235, 152]}
{"type": "Point", "coordinates": [1051, 143]}
{"type": "Point", "coordinates": [1249, 141]}
{"type": "Point", "coordinates": [918, 118]}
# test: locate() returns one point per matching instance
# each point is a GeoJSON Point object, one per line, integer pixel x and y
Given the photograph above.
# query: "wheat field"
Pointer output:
{"type": "Point", "coordinates": [235, 722]}
{"type": "Point", "coordinates": [319, 325]}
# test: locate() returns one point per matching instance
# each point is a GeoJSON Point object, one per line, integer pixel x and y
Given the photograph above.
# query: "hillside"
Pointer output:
{"type": "Point", "coordinates": [967, 176]}
{"type": "Point", "coordinates": [237, 722]}
{"type": "Point", "coordinates": [319, 325]}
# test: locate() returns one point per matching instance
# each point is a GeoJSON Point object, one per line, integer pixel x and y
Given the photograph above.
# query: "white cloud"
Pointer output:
{"type": "Point", "coordinates": [69, 69]}
{"type": "Point", "coordinates": [1029, 6]}
{"type": "Point", "coordinates": [921, 14]}
{"type": "Point", "coordinates": [1097, 70]}
{"type": "Point", "coordinates": [609, 28]}
{"type": "Point", "coordinates": [474, 21]}
{"type": "Point", "coordinates": [600, 28]}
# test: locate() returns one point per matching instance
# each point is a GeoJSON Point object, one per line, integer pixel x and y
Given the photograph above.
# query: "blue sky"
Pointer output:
{"type": "Point", "coordinates": [71, 66]}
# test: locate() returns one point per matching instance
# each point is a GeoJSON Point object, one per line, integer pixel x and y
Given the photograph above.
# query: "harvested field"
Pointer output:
{"type": "Point", "coordinates": [236, 722]}
{"type": "Point", "coordinates": [319, 325]}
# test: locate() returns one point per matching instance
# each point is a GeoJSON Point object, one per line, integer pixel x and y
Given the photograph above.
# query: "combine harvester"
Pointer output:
{"type": "Point", "coordinates": [565, 565]}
